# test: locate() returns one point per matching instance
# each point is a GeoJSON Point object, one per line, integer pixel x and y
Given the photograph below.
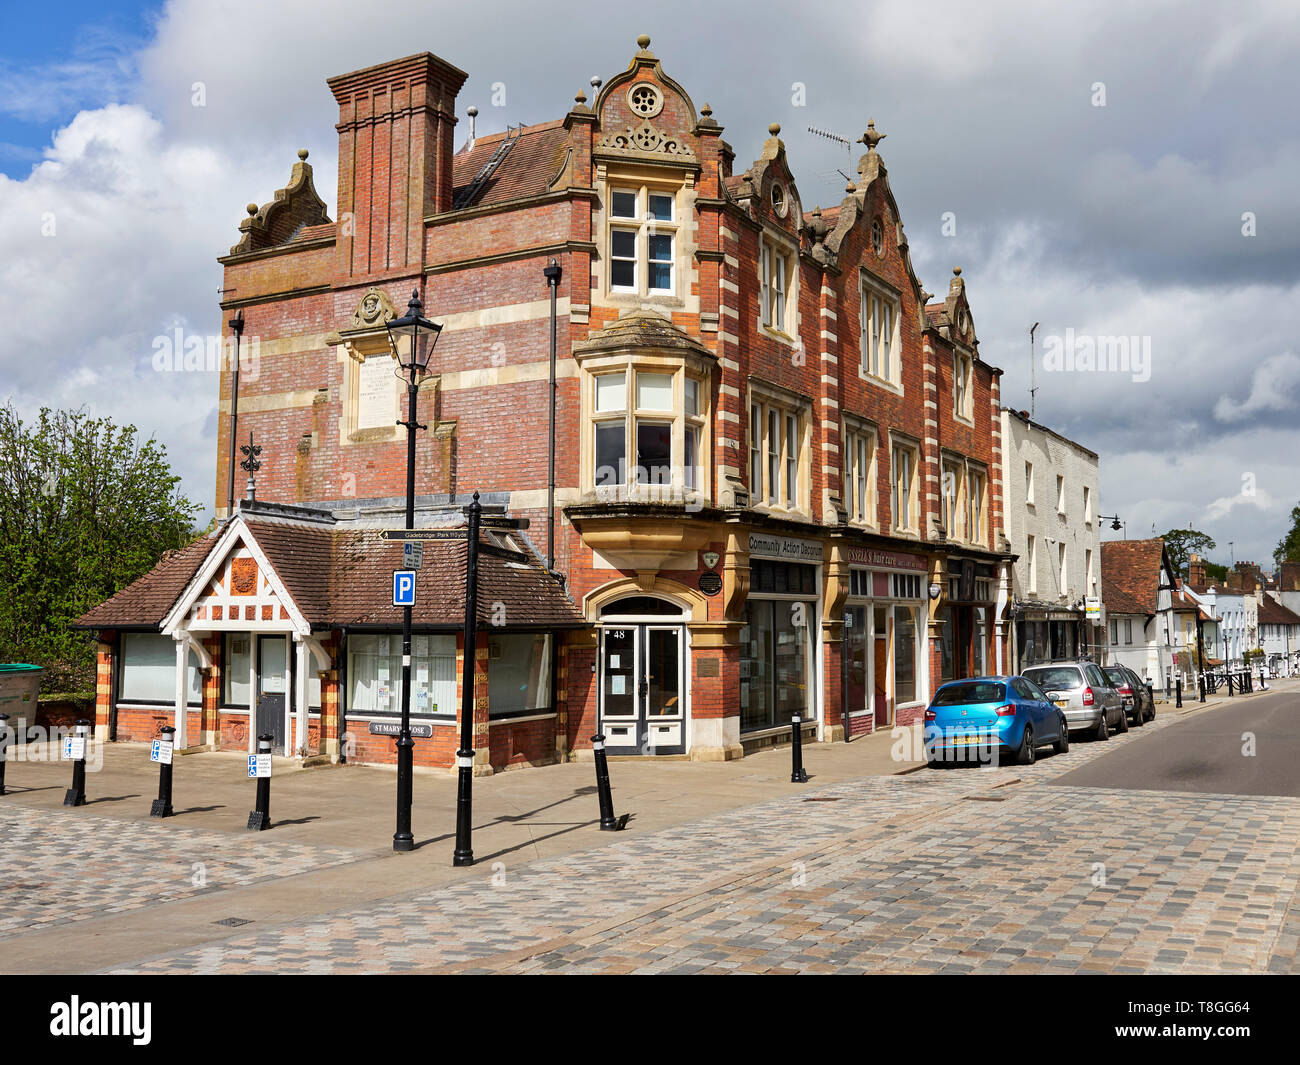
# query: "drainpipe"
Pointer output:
{"type": "Point", "coordinates": [552, 274]}
{"type": "Point", "coordinates": [237, 327]}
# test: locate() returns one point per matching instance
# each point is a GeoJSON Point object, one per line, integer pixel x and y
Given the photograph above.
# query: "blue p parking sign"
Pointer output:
{"type": "Point", "coordinates": [403, 587]}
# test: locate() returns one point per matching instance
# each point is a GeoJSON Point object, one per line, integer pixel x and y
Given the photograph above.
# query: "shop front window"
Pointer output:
{"type": "Point", "coordinates": [904, 654]}
{"type": "Point", "coordinates": [855, 657]}
{"type": "Point", "coordinates": [946, 657]}
{"type": "Point", "coordinates": [375, 674]}
{"type": "Point", "coordinates": [981, 641]}
{"type": "Point", "coordinates": [774, 675]}
{"type": "Point", "coordinates": [149, 671]}
{"type": "Point", "coordinates": [519, 674]}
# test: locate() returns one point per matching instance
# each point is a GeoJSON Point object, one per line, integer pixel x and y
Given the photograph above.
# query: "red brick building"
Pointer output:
{"type": "Point", "coordinates": [777, 483]}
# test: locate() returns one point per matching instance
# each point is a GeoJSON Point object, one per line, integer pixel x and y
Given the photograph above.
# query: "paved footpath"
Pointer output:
{"type": "Point", "coordinates": [958, 870]}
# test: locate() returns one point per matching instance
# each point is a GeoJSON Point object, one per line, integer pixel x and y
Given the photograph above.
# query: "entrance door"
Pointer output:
{"type": "Point", "coordinates": [881, 662]}
{"type": "Point", "coordinates": [272, 687]}
{"type": "Point", "coordinates": [642, 704]}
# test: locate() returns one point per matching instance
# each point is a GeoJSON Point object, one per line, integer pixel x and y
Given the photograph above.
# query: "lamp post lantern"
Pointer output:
{"type": "Point", "coordinates": [413, 337]}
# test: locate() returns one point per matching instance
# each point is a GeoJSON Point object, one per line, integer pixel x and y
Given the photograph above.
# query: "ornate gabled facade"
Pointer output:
{"type": "Point", "coordinates": [777, 466]}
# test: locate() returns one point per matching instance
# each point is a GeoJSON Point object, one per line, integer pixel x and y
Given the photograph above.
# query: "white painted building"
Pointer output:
{"type": "Point", "coordinates": [1051, 495]}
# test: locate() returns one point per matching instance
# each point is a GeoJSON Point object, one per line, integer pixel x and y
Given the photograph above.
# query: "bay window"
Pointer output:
{"type": "Point", "coordinates": [648, 431]}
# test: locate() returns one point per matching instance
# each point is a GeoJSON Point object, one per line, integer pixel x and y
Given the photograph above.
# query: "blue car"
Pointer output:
{"type": "Point", "coordinates": [974, 720]}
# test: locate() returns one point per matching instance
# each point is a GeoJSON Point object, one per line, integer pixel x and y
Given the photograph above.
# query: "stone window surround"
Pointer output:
{"type": "Point", "coordinates": [868, 286]}
{"type": "Point", "coordinates": [913, 446]}
{"type": "Point", "coordinates": [963, 365]}
{"type": "Point", "coordinates": [855, 427]}
{"type": "Point", "coordinates": [648, 178]}
{"type": "Point", "coordinates": [773, 397]}
{"type": "Point", "coordinates": [782, 245]}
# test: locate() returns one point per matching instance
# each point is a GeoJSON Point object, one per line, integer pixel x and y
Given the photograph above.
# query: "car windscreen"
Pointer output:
{"type": "Point", "coordinates": [1055, 678]}
{"type": "Point", "coordinates": [974, 691]}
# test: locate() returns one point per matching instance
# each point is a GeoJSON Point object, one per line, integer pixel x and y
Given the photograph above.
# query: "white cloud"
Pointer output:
{"type": "Point", "coordinates": [1274, 386]}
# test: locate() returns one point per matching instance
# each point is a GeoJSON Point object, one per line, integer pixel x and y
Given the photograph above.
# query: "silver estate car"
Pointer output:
{"type": "Point", "coordinates": [1088, 697]}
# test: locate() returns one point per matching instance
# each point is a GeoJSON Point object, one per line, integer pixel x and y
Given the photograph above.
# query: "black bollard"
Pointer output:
{"type": "Point", "coordinates": [798, 774]}
{"type": "Point", "coordinates": [4, 749]}
{"type": "Point", "coordinates": [76, 746]}
{"type": "Point", "coordinates": [161, 752]}
{"type": "Point", "coordinates": [1200, 679]}
{"type": "Point", "coordinates": [259, 766]}
{"type": "Point", "coordinates": [608, 822]}
{"type": "Point", "coordinates": [1228, 674]}
{"type": "Point", "coordinates": [1178, 692]}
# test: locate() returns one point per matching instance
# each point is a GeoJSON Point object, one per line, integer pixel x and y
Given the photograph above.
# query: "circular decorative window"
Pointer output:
{"type": "Point", "coordinates": [778, 198]}
{"type": "Point", "coordinates": [645, 99]}
{"type": "Point", "coordinates": [878, 237]}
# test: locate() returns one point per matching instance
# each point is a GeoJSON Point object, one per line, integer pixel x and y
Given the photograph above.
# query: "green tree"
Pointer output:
{"type": "Point", "coordinates": [86, 507]}
{"type": "Point", "coordinates": [1182, 544]}
{"type": "Point", "coordinates": [1215, 573]}
{"type": "Point", "coordinates": [1288, 548]}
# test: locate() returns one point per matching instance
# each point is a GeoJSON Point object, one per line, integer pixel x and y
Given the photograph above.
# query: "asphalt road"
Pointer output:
{"type": "Point", "coordinates": [1208, 753]}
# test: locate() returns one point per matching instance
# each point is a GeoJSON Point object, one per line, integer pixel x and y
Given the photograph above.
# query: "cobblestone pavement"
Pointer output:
{"type": "Point", "coordinates": [958, 870]}
{"type": "Point", "coordinates": [59, 867]}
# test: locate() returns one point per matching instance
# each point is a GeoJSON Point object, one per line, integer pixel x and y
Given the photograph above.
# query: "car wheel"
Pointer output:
{"type": "Point", "coordinates": [1138, 719]}
{"type": "Point", "coordinates": [1102, 731]}
{"type": "Point", "coordinates": [1027, 752]}
{"type": "Point", "coordinates": [1062, 745]}
{"type": "Point", "coordinates": [1123, 721]}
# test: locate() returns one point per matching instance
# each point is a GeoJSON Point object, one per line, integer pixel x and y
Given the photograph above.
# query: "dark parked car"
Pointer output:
{"type": "Point", "coordinates": [1138, 704]}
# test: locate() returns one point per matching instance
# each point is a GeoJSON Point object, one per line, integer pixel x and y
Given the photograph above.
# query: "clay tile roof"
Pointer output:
{"type": "Point", "coordinates": [1271, 612]}
{"type": "Point", "coordinates": [527, 170]}
{"type": "Point", "coordinates": [146, 601]}
{"type": "Point", "coordinates": [1130, 575]}
{"type": "Point", "coordinates": [300, 554]}
{"type": "Point", "coordinates": [344, 578]}
{"type": "Point", "coordinates": [361, 586]}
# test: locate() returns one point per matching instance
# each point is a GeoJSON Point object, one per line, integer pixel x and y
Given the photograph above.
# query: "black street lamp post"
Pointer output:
{"type": "Point", "coordinates": [464, 853]}
{"type": "Point", "coordinates": [413, 337]}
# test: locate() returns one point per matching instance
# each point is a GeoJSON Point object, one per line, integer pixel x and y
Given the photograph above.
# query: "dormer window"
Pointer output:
{"type": "Point", "coordinates": [642, 241]}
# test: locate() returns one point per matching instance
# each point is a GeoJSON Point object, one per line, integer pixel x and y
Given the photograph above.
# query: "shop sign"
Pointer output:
{"type": "Point", "coordinates": [1094, 608]}
{"type": "Point", "coordinates": [870, 556]}
{"type": "Point", "coordinates": [785, 548]}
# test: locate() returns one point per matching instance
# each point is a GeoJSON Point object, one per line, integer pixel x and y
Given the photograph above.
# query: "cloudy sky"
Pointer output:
{"type": "Point", "coordinates": [1109, 168]}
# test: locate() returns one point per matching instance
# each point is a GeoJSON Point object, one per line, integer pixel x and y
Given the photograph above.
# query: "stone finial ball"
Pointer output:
{"type": "Point", "coordinates": [774, 129]}
{"type": "Point", "coordinates": [302, 154]}
{"type": "Point", "coordinates": [251, 208]}
{"type": "Point", "coordinates": [643, 41]}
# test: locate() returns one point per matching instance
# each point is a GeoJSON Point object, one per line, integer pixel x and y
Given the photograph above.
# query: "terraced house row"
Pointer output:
{"type": "Point", "coordinates": [777, 485]}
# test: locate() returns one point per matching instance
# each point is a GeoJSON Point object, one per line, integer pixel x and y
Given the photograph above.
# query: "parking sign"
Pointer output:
{"type": "Point", "coordinates": [403, 587]}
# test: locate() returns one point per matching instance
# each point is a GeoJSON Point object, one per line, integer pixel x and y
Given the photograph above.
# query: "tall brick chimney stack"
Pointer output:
{"type": "Point", "coordinates": [1289, 577]}
{"type": "Point", "coordinates": [396, 124]}
{"type": "Point", "coordinates": [1196, 571]}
